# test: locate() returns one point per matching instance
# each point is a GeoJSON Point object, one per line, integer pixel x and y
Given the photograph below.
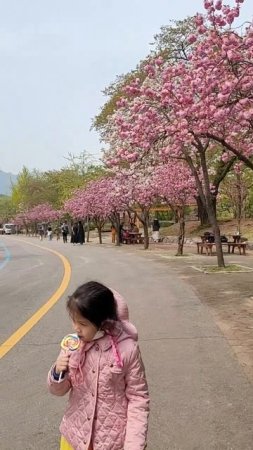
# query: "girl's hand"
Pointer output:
{"type": "Point", "coordinates": [62, 363]}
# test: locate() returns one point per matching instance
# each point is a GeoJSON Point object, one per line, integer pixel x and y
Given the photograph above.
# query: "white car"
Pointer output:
{"type": "Point", "coordinates": [9, 228]}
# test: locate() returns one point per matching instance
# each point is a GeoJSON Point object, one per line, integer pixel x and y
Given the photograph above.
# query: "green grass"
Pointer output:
{"type": "Point", "coordinates": [228, 269]}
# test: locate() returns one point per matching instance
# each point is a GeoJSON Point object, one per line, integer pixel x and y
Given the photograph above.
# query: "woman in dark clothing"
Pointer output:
{"type": "Point", "coordinates": [80, 233]}
{"type": "Point", "coordinates": [156, 228]}
{"type": "Point", "coordinates": [74, 234]}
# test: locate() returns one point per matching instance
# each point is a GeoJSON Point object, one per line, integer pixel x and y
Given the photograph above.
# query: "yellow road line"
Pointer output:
{"type": "Point", "coordinates": [29, 324]}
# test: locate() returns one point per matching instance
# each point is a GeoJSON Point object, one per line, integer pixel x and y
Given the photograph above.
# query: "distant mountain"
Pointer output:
{"type": "Point", "coordinates": [6, 179]}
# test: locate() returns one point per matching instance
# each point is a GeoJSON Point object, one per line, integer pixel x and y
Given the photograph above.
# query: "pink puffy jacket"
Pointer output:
{"type": "Point", "coordinates": [108, 402]}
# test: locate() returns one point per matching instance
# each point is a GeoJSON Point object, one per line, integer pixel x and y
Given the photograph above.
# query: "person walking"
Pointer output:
{"type": "Point", "coordinates": [80, 233]}
{"type": "Point", "coordinates": [41, 233]}
{"type": "Point", "coordinates": [113, 232]}
{"type": "Point", "coordinates": [109, 402]}
{"type": "Point", "coordinates": [156, 228]}
{"type": "Point", "coordinates": [57, 233]}
{"type": "Point", "coordinates": [73, 238]}
{"type": "Point", "coordinates": [65, 231]}
{"type": "Point", "coordinates": [49, 233]}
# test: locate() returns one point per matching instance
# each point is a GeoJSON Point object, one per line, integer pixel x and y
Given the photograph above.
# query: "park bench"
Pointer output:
{"type": "Point", "coordinates": [127, 240]}
{"type": "Point", "coordinates": [133, 238]}
{"type": "Point", "coordinates": [240, 245]}
{"type": "Point", "coordinates": [208, 247]}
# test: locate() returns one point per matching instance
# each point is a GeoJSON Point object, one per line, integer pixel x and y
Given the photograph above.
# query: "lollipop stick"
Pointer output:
{"type": "Point", "coordinates": [69, 343]}
{"type": "Point", "coordinates": [62, 373]}
{"type": "Point", "coordinates": [61, 376]}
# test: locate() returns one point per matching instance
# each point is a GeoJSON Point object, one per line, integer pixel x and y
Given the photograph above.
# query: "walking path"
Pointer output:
{"type": "Point", "coordinates": [200, 396]}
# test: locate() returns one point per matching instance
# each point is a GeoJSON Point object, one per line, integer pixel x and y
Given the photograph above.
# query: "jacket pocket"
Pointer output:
{"type": "Point", "coordinates": [114, 369]}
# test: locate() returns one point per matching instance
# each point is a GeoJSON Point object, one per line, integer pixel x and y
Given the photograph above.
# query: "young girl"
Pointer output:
{"type": "Point", "coordinates": [108, 402]}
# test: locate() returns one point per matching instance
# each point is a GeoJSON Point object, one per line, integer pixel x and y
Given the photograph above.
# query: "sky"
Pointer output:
{"type": "Point", "coordinates": [56, 57]}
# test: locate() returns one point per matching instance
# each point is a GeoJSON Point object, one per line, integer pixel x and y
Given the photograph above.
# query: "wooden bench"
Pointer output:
{"type": "Point", "coordinates": [240, 245]}
{"type": "Point", "coordinates": [208, 246]}
{"type": "Point", "coordinates": [127, 240]}
{"type": "Point", "coordinates": [137, 240]}
{"type": "Point", "coordinates": [133, 239]}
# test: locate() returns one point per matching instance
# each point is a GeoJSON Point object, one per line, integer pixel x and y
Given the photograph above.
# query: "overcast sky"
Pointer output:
{"type": "Point", "coordinates": [56, 56]}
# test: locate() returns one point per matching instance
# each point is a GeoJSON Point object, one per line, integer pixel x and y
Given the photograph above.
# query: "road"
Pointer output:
{"type": "Point", "coordinates": [200, 398]}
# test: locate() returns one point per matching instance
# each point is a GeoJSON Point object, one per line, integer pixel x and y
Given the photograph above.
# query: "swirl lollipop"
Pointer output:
{"type": "Point", "coordinates": [70, 342]}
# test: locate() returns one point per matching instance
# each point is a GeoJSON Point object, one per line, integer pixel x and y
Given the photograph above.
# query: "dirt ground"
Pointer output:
{"type": "Point", "coordinates": [227, 227]}
{"type": "Point", "coordinates": [229, 296]}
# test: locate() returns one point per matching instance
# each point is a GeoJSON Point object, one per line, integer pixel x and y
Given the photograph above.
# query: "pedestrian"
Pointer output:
{"type": "Point", "coordinates": [49, 233]}
{"type": "Point", "coordinates": [73, 238]}
{"type": "Point", "coordinates": [156, 228]}
{"type": "Point", "coordinates": [108, 403]}
{"type": "Point", "coordinates": [41, 233]}
{"type": "Point", "coordinates": [65, 232]}
{"type": "Point", "coordinates": [121, 232]}
{"type": "Point", "coordinates": [80, 233]}
{"type": "Point", "coordinates": [113, 232]}
{"type": "Point", "coordinates": [57, 233]}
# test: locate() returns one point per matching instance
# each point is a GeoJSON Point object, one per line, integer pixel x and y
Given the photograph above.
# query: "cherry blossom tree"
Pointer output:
{"type": "Point", "coordinates": [138, 188]}
{"type": "Point", "coordinates": [176, 187]}
{"type": "Point", "coordinates": [186, 109]}
{"type": "Point", "coordinates": [39, 213]}
{"type": "Point", "coordinates": [99, 200]}
{"type": "Point", "coordinates": [43, 213]}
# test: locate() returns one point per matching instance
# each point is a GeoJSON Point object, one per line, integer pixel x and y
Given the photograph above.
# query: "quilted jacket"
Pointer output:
{"type": "Point", "coordinates": [108, 403]}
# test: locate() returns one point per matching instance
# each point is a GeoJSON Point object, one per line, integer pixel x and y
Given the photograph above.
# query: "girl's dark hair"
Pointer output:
{"type": "Point", "coordinates": [93, 301]}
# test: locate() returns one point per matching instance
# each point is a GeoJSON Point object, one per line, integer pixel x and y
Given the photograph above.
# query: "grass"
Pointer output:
{"type": "Point", "coordinates": [230, 268]}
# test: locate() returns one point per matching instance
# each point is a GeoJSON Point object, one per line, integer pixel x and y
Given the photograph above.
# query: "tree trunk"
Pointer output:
{"type": "Point", "coordinates": [239, 200]}
{"type": "Point", "coordinates": [117, 227]}
{"type": "Point", "coordinates": [115, 219]}
{"type": "Point", "coordinates": [88, 230]}
{"type": "Point", "coordinates": [146, 236]}
{"type": "Point", "coordinates": [144, 219]}
{"type": "Point", "coordinates": [216, 232]}
{"type": "Point", "coordinates": [181, 236]}
{"type": "Point", "coordinates": [99, 226]}
{"type": "Point", "coordinates": [202, 210]}
{"type": "Point", "coordinates": [100, 234]}
{"type": "Point", "coordinates": [211, 211]}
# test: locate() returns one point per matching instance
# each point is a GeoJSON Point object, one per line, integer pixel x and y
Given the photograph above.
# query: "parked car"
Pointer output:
{"type": "Point", "coordinates": [9, 228]}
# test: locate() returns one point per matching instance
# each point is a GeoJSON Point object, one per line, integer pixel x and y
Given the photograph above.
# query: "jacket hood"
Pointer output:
{"type": "Point", "coordinates": [123, 316]}
{"type": "Point", "coordinates": [122, 308]}
{"type": "Point", "coordinates": [120, 331]}
{"type": "Point", "coordinates": [129, 329]}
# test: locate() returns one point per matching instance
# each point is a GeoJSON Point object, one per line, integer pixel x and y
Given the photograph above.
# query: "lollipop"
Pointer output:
{"type": "Point", "coordinates": [71, 343]}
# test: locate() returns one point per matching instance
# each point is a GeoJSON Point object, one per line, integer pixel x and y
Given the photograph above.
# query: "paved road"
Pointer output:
{"type": "Point", "coordinates": [200, 397]}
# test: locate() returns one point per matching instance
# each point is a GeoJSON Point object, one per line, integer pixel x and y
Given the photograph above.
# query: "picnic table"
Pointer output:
{"type": "Point", "coordinates": [132, 237]}
{"type": "Point", "coordinates": [208, 247]}
{"type": "Point", "coordinates": [240, 245]}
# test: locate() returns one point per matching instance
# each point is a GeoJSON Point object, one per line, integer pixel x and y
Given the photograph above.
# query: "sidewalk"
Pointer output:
{"type": "Point", "coordinates": [200, 397]}
{"type": "Point", "coordinates": [229, 296]}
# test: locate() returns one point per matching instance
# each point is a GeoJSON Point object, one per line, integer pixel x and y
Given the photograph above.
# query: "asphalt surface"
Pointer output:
{"type": "Point", "coordinates": [200, 398]}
